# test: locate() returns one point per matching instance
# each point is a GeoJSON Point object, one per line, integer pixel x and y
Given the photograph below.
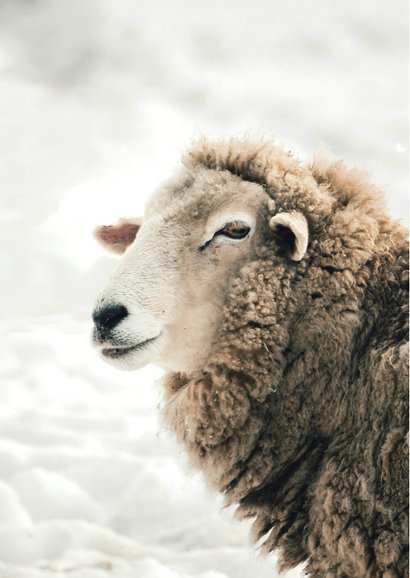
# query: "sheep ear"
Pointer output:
{"type": "Point", "coordinates": [116, 238]}
{"type": "Point", "coordinates": [292, 232]}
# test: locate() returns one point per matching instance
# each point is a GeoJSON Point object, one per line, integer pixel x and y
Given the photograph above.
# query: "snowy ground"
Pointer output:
{"type": "Point", "coordinates": [91, 484]}
{"type": "Point", "coordinates": [97, 99]}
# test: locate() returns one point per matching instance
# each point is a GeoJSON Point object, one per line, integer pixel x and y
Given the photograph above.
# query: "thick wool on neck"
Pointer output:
{"type": "Point", "coordinates": [299, 414]}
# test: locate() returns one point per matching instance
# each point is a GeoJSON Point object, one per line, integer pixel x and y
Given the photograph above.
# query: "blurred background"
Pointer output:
{"type": "Point", "coordinates": [97, 100]}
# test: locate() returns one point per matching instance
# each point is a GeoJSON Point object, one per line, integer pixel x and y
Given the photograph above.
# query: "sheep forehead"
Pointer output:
{"type": "Point", "coordinates": [195, 197]}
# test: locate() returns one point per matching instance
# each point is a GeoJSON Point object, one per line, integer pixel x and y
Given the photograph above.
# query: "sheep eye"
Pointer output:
{"type": "Point", "coordinates": [235, 230]}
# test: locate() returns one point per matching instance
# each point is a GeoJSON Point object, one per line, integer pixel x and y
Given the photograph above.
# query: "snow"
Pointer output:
{"type": "Point", "coordinates": [98, 99]}
{"type": "Point", "coordinates": [92, 483]}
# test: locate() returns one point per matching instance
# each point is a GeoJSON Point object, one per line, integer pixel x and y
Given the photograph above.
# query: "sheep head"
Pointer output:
{"type": "Point", "coordinates": [165, 300]}
{"type": "Point", "coordinates": [217, 251]}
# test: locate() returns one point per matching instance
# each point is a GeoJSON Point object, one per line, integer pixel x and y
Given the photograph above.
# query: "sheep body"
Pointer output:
{"type": "Point", "coordinates": [299, 415]}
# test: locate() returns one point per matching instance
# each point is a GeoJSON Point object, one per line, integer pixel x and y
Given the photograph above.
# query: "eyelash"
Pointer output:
{"type": "Point", "coordinates": [235, 224]}
{"type": "Point", "coordinates": [222, 232]}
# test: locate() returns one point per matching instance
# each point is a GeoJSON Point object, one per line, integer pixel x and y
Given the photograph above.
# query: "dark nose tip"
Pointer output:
{"type": "Point", "coordinates": [109, 316]}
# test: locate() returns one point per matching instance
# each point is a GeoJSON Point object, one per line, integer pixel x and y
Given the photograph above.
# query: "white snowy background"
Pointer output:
{"type": "Point", "coordinates": [97, 100]}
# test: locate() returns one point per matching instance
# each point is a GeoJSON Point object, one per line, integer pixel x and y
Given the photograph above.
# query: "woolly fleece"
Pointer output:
{"type": "Point", "coordinates": [299, 415]}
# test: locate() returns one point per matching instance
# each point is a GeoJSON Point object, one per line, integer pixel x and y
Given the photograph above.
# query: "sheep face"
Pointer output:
{"type": "Point", "coordinates": [164, 300]}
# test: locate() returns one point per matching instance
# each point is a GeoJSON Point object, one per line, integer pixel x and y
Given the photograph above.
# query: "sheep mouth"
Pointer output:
{"type": "Point", "coordinates": [116, 352]}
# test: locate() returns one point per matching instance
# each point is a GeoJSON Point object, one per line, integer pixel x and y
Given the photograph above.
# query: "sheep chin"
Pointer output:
{"type": "Point", "coordinates": [132, 357]}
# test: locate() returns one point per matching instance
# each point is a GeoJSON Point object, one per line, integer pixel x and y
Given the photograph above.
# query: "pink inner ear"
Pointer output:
{"type": "Point", "coordinates": [123, 234]}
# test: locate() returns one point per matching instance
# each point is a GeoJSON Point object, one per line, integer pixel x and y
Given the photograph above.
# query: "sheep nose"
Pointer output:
{"type": "Point", "coordinates": [108, 317]}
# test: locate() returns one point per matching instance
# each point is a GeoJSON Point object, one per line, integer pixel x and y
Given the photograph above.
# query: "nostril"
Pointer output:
{"type": "Point", "coordinates": [109, 316]}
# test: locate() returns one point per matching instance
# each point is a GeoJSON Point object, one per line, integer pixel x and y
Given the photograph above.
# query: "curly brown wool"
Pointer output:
{"type": "Point", "coordinates": [299, 415]}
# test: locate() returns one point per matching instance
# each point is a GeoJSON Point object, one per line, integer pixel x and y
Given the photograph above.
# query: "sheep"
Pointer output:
{"type": "Point", "coordinates": [274, 294]}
